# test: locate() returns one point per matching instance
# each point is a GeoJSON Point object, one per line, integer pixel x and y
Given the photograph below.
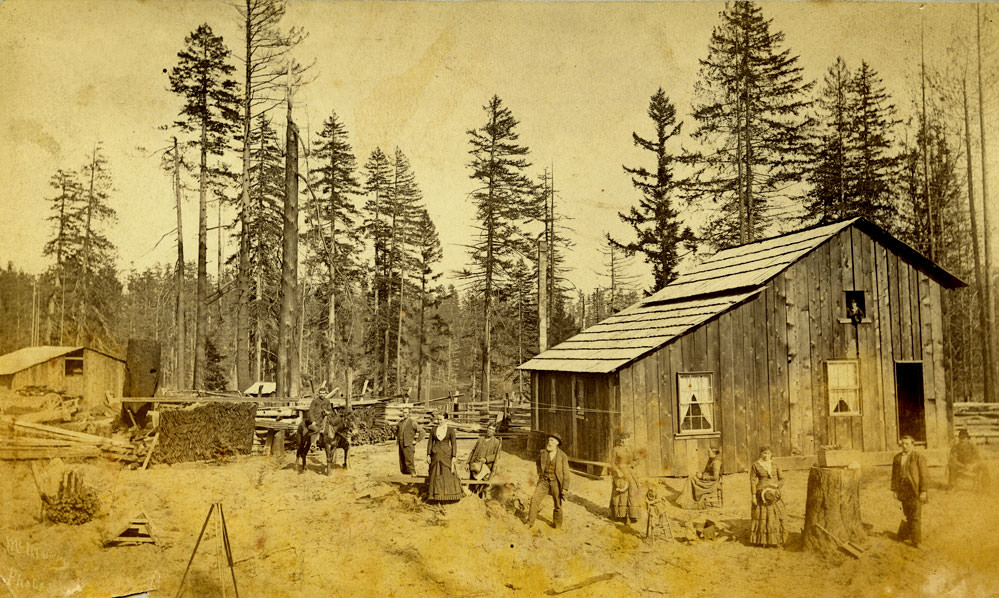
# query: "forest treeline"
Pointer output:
{"type": "Point", "coordinates": [334, 273]}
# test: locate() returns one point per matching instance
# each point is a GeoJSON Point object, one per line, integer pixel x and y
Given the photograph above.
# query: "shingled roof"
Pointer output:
{"type": "Point", "coordinates": [22, 359]}
{"type": "Point", "coordinates": [708, 289]}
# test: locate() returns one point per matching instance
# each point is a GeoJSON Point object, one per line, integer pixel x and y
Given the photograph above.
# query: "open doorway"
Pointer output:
{"type": "Point", "coordinates": [909, 395]}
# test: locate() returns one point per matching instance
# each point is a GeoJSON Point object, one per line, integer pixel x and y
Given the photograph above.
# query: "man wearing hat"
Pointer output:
{"type": "Point", "coordinates": [964, 461]}
{"type": "Point", "coordinates": [407, 434]}
{"type": "Point", "coordinates": [553, 479]}
{"type": "Point", "coordinates": [482, 460]}
{"type": "Point", "coordinates": [909, 483]}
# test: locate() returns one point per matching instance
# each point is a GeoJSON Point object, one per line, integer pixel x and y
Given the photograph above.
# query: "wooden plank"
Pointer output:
{"type": "Point", "coordinates": [667, 404]}
{"type": "Point", "coordinates": [886, 365]}
{"type": "Point", "coordinates": [842, 280]}
{"type": "Point", "coordinates": [575, 450]}
{"type": "Point", "coordinates": [743, 384]}
{"type": "Point", "coordinates": [905, 311]}
{"type": "Point", "coordinates": [641, 417]}
{"type": "Point", "coordinates": [674, 356]}
{"type": "Point", "coordinates": [816, 425]}
{"type": "Point", "coordinates": [936, 315]}
{"type": "Point", "coordinates": [653, 421]}
{"type": "Point", "coordinates": [536, 396]}
{"type": "Point", "coordinates": [870, 358]}
{"type": "Point", "coordinates": [626, 389]}
{"type": "Point", "coordinates": [779, 383]}
{"type": "Point", "coordinates": [726, 398]}
{"type": "Point", "coordinates": [804, 358]}
{"type": "Point", "coordinates": [792, 313]}
{"type": "Point", "coordinates": [915, 307]}
{"type": "Point", "coordinates": [930, 398]}
{"type": "Point", "coordinates": [824, 346]}
{"type": "Point", "coordinates": [761, 382]}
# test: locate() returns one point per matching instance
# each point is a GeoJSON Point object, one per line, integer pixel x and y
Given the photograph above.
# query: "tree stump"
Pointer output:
{"type": "Point", "coordinates": [832, 509]}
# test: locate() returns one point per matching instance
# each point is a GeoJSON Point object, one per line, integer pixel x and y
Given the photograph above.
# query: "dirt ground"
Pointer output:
{"type": "Point", "coordinates": [351, 535]}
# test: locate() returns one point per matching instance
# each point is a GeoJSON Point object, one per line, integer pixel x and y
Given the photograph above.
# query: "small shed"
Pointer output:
{"type": "Point", "coordinates": [73, 370]}
{"type": "Point", "coordinates": [828, 336]}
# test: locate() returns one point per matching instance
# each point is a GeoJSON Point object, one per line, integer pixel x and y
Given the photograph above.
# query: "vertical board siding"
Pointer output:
{"type": "Point", "coordinates": [841, 278]}
{"type": "Point", "coordinates": [727, 397]}
{"type": "Point", "coordinates": [641, 434]}
{"type": "Point", "coordinates": [870, 352]}
{"type": "Point", "coordinates": [667, 403]}
{"type": "Point", "coordinates": [930, 399]}
{"type": "Point", "coordinates": [779, 382]}
{"type": "Point", "coordinates": [626, 389]}
{"type": "Point", "coordinates": [886, 365]}
{"type": "Point", "coordinates": [936, 317]}
{"type": "Point", "coordinates": [653, 422]}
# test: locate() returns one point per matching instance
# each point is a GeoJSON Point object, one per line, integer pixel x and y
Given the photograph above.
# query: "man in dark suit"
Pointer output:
{"type": "Point", "coordinates": [407, 434]}
{"type": "Point", "coordinates": [553, 479]}
{"type": "Point", "coordinates": [909, 483]}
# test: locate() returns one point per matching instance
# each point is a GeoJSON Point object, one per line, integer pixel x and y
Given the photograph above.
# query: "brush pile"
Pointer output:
{"type": "Point", "coordinates": [205, 432]}
{"type": "Point", "coordinates": [370, 428]}
{"type": "Point", "coordinates": [75, 503]}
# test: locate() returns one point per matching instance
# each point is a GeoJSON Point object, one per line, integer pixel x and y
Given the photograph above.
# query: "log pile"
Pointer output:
{"type": "Point", "coordinates": [21, 440]}
{"type": "Point", "coordinates": [204, 432]}
{"type": "Point", "coordinates": [981, 420]}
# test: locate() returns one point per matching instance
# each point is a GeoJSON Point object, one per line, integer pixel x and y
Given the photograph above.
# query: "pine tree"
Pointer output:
{"type": "Point", "coordinates": [428, 254]}
{"type": "Point", "coordinates": [876, 164]}
{"type": "Point", "coordinates": [832, 159]}
{"type": "Point", "coordinates": [402, 208]}
{"type": "Point", "coordinates": [503, 199]}
{"type": "Point", "coordinates": [655, 220]}
{"type": "Point", "coordinates": [63, 246]}
{"type": "Point", "coordinates": [377, 170]}
{"type": "Point", "coordinates": [751, 121]}
{"type": "Point", "coordinates": [202, 79]}
{"type": "Point", "coordinates": [332, 215]}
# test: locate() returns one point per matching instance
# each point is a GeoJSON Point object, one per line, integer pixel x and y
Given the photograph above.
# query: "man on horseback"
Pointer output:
{"type": "Point", "coordinates": [311, 424]}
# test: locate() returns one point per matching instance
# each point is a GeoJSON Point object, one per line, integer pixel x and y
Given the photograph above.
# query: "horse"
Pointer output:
{"type": "Point", "coordinates": [335, 431]}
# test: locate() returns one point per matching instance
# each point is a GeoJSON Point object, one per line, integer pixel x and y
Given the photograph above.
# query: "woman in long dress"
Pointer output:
{"type": "Point", "coordinates": [765, 482]}
{"type": "Point", "coordinates": [703, 484]}
{"type": "Point", "coordinates": [443, 484]}
{"type": "Point", "coordinates": [625, 499]}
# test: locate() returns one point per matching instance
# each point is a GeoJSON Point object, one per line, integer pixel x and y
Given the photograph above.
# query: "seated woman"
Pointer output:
{"type": "Point", "coordinates": [625, 502]}
{"type": "Point", "coordinates": [700, 486]}
{"type": "Point", "coordinates": [765, 482]}
{"type": "Point", "coordinates": [443, 484]}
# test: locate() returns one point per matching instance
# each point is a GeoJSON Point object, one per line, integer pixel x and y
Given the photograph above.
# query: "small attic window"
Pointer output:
{"type": "Point", "coordinates": [74, 366]}
{"type": "Point", "coordinates": [855, 306]}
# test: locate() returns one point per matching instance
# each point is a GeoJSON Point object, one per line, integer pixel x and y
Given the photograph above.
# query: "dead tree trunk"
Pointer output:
{"type": "Point", "coordinates": [832, 510]}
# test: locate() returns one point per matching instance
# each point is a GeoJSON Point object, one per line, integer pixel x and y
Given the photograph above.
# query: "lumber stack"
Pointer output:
{"type": "Point", "coordinates": [981, 420]}
{"type": "Point", "coordinates": [204, 432]}
{"type": "Point", "coordinates": [22, 440]}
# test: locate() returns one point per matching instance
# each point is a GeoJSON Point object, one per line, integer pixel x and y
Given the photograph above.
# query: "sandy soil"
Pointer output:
{"type": "Point", "coordinates": [351, 535]}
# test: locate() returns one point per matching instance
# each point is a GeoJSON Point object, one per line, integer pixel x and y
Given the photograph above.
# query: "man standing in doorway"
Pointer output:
{"type": "Point", "coordinates": [553, 479]}
{"type": "Point", "coordinates": [909, 483]}
{"type": "Point", "coordinates": [407, 434]}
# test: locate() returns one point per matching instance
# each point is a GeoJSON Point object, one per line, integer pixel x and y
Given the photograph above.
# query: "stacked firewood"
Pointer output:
{"type": "Point", "coordinates": [204, 432]}
{"type": "Point", "coordinates": [21, 440]}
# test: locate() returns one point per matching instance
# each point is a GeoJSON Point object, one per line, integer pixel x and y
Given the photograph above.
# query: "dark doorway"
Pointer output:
{"type": "Point", "coordinates": [909, 394]}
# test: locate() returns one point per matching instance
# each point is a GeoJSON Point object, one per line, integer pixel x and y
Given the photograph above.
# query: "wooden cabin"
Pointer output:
{"type": "Point", "coordinates": [829, 336]}
{"type": "Point", "coordinates": [72, 370]}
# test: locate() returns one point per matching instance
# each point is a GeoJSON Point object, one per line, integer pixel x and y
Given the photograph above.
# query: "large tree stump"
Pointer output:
{"type": "Point", "coordinates": [832, 509]}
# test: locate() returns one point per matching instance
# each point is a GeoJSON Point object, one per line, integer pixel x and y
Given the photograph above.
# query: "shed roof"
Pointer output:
{"type": "Point", "coordinates": [22, 359]}
{"type": "Point", "coordinates": [703, 292]}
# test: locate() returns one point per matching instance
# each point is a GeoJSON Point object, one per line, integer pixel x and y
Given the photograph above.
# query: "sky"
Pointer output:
{"type": "Point", "coordinates": [414, 75]}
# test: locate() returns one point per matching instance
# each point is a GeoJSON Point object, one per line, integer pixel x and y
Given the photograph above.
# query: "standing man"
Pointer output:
{"type": "Point", "coordinates": [407, 434]}
{"type": "Point", "coordinates": [553, 479]}
{"type": "Point", "coordinates": [909, 483]}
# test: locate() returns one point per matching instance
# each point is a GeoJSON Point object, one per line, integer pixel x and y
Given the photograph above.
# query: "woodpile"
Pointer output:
{"type": "Point", "coordinates": [21, 440]}
{"type": "Point", "coordinates": [74, 503]}
{"type": "Point", "coordinates": [204, 432]}
{"type": "Point", "coordinates": [981, 420]}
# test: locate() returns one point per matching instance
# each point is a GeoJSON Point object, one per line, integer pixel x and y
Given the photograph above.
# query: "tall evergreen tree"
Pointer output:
{"type": "Point", "coordinates": [332, 215]}
{"type": "Point", "coordinates": [655, 220]}
{"type": "Point", "coordinates": [503, 199]}
{"type": "Point", "coordinates": [876, 161]}
{"type": "Point", "coordinates": [752, 123]}
{"type": "Point", "coordinates": [428, 253]}
{"type": "Point", "coordinates": [63, 246]}
{"type": "Point", "coordinates": [832, 158]}
{"type": "Point", "coordinates": [402, 208]}
{"type": "Point", "coordinates": [202, 79]}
